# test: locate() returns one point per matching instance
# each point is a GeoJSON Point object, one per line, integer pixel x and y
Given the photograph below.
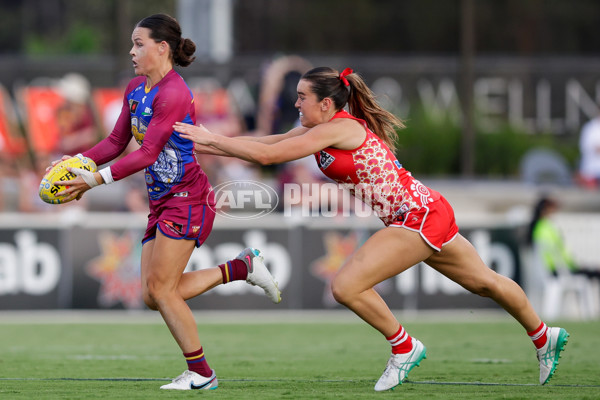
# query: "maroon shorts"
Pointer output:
{"type": "Point", "coordinates": [435, 223]}
{"type": "Point", "coordinates": [184, 221]}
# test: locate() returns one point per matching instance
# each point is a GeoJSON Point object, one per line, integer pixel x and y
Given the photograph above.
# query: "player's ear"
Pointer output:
{"type": "Point", "coordinates": [326, 103]}
{"type": "Point", "coordinates": [163, 47]}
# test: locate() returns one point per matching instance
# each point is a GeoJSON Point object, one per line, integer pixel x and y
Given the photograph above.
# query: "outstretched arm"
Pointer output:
{"type": "Point", "coordinates": [272, 139]}
{"type": "Point", "coordinates": [275, 149]}
{"type": "Point", "coordinates": [204, 149]}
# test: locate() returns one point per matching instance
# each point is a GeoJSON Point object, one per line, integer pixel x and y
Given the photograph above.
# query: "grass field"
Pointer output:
{"type": "Point", "coordinates": [330, 358]}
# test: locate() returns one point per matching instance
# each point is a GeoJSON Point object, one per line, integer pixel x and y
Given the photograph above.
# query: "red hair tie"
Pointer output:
{"type": "Point", "coordinates": [343, 75]}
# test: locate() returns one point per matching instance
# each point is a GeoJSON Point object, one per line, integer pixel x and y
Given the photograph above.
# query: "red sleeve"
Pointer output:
{"type": "Point", "coordinates": [169, 106]}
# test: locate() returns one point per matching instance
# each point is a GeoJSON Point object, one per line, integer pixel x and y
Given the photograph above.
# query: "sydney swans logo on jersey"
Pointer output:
{"type": "Point", "coordinates": [245, 199]}
{"type": "Point", "coordinates": [325, 159]}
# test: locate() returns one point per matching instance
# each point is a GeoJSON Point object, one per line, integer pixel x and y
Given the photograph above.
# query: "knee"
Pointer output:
{"type": "Point", "coordinates": [340, 290]}
{"type": "Point", "coordinates": [152, 293]}
{"type": "Point", "coordinates": [149, 301]}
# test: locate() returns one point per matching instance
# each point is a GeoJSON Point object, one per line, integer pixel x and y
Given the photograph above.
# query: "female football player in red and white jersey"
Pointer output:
{"type": "Point", "coordinates": [180, 196]}
{"type": "Point", "coordinates": [356, 149]}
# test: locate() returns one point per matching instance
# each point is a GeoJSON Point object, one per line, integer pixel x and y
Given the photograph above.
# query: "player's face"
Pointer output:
{"type": "Point", "coordinates": [308, 105]}
{"type": "Point", "coordinates": [144, 53]}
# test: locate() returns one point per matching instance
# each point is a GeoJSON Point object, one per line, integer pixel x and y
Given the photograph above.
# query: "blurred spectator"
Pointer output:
{"type": "Point", "coordinates": [277, 95]}
{"type": "Point", "coordinates": [555, 273]}
{"type": "Point", "coordinates": [9, 180]}
{"type": "Point", "coordinates": [277, 112]}
{"type": "Point", "coordinates": [29, 180]}
{"type": "Point", "coordinates": [107, 104]}
{"type": "Point", "coordinates": [12, 142]}
{"type": "Point", "coordinates": [75, 119]}
{"type": "Point", "coordinates": [58, 120]}
{"type": "Point", "coordinates": [28, 187]}
{"type": "Point", "coordinates": [215, 108]}
{"type": "Point", "coordinates": [13, 151]}
{"type": "Point", "coordinates": [589, 147]}
{"type": "Point", "coordinates": [544, 234]}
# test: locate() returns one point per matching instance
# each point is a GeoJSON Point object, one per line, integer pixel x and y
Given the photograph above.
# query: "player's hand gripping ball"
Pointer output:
{"type": "Point", "coordinates": [59, 172]}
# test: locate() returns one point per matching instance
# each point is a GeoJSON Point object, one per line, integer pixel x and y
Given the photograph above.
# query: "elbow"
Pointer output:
{"type": "Point", "coordinates": [264, 159]}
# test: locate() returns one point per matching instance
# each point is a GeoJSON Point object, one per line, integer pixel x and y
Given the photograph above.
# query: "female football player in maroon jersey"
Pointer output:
{"type": "Point", "coordinates": [180, 197]}
{"type": "Point", "coordinates": [356, 149]}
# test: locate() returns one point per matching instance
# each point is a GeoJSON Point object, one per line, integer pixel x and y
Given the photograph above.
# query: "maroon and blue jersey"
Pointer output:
{"type": "Point", "coordinates": [148, 114]}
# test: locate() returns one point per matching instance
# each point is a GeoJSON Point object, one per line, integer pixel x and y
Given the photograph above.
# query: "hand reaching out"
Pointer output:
{"type": "Point", "coordinates": [197, 134]}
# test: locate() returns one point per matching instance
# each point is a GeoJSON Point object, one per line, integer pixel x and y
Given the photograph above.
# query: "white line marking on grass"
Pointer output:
{"type": "Point", "coordinates": [300, 380]}
{"type": "Point", "coordinates": [95, 357]}
{"type": "Point", "coordinates": [54, 317]}
{"type": "Point", "coordinates": [491, 361]}
{"type": "Point", "coordinates": [492, 384]}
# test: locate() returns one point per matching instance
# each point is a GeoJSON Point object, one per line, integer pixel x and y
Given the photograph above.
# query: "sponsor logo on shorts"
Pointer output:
{"type": "Point", "coordinates": [402, 210]}
{"type": "Point", "coordinates": [175, 227]}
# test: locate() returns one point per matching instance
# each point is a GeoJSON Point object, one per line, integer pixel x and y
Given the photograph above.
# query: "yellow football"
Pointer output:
{"type": "Point", "coordinates": [60, 172]}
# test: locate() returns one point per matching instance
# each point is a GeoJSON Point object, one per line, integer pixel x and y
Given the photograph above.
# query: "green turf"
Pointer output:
{"type": "Point", "coordinates": [492, 360]}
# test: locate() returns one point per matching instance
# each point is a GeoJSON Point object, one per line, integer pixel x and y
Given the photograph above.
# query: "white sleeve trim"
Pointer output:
{"type": "Point", "coordinates": [106, 175]}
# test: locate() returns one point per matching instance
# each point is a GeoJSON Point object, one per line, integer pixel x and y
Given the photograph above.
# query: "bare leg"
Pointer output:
{"type": "Point", "coordinates": [163, 263]}
{"type": "Point", "coordinates": [195, 283]}
{"type": "Point", "coordinates": [387, 253]}
{"type": "Point", "coordinates": [391, 251]}
{"type": "Point", "coordinates": [460, 262]}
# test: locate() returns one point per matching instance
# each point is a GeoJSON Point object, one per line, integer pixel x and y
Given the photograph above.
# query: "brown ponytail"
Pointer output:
{"type": "Point", "coordinates": [327, 82]}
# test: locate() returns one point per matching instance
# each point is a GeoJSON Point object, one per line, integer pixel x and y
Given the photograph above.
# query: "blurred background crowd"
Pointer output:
{"type": "Point", "coordinates": [492, 91]}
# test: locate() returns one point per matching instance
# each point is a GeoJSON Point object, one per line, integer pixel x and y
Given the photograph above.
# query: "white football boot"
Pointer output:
{"type": "Point", "coordinates": [190, 380]}
{"type": "Point", "coordinates": [399, 365]}
{"type": "Point", "coordinates": [549, 354]}
{"type": "Point", "coordinates": [258, 274]}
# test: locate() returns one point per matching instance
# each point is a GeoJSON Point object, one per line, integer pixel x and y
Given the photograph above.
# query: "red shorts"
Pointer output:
{"type": "Point", "coordinates": [185, 221]}
{"type": "Point", "coordinates": [435, 223]}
